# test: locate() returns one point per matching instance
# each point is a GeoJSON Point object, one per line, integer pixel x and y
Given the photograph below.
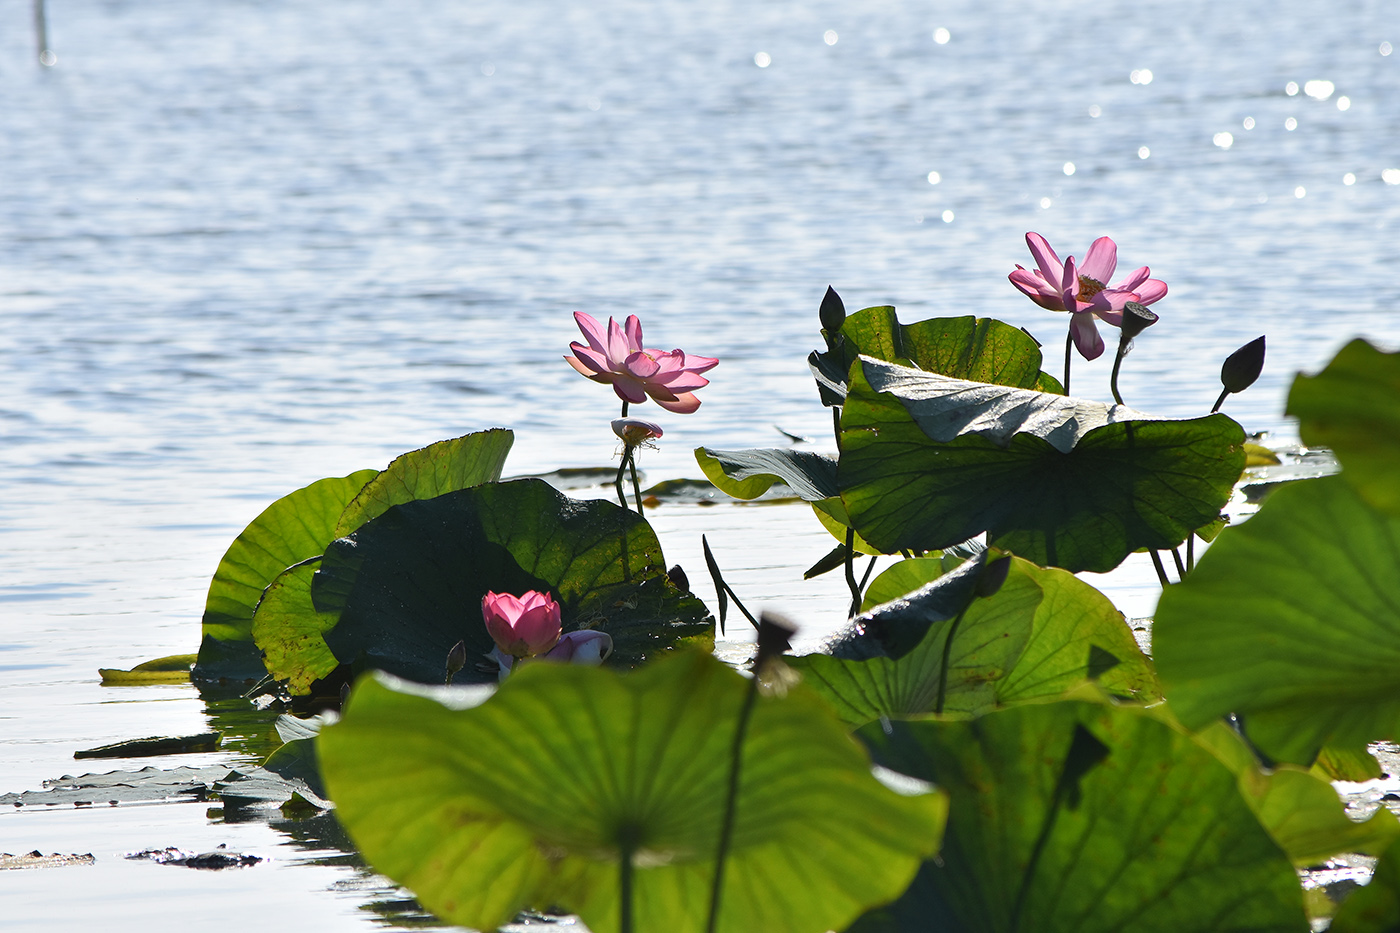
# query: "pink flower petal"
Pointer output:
{"type": "Point", "coordinates": [684, 404]}
{"type": "Point", "coordinates": [1150, 291]}
{"type": "Point", "coordinates": [629, 389]}
{"type": "Point", "coordinates": [683, 382]}
{"type": "Point", "coordinates": [1086, 336]}
{"type": "Point", "coordinates": [617, 342]}
{"type": "Point", "coordinates": [595, 361]}
{"type": "Point", "coordinates": [641, 365]}
{"type": "Point", "coordinates": [1134, 279]}
{"type": "Point", "coordinates": [699, 364]}
{"type": "Point", "coordinates": [1101, 260]}
{"type": "Point", "coordinates": [633, 330]}
{"type": "Point", "coordinates": [592, 331]}
{"type": "Point", "coordinates": [1050, 265]}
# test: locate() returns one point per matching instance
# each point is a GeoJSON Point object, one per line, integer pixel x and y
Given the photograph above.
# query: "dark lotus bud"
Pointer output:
{"type": "Point", "coordinates": [833, 312]}
{"type": "Point", "coordinates": [993, 575]}
{"type": "Point", "coordinates": [774, 637]}
{"type": "Point", "coordinates": [1242, 367]}
{"type": "Point", "coordinates": [456, 659]}
{"type": "Point", "coordinates": [1136, 319]}
{"type": "Point", "coordinates": [678, 577]}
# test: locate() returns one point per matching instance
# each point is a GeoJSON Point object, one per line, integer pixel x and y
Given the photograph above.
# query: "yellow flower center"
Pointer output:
{"type": "Point", "coordinates": [1088, 288]}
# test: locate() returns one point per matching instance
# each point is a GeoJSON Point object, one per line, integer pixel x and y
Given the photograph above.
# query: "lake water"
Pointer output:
{"type": "Point", "coordinates": [244, 245]}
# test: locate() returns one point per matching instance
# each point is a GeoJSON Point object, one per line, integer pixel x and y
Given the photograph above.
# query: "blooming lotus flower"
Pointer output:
{"type": "Point", "coordinates": [634, 431]}
{"type": "Point", "coordinates": [582, 647]}
{"type": "Point", "coordinates": [616, 356]}
{"type": "Point", "coordinates": [1080, 288]}
{"type": "Point", "coordinates": [524, 626]}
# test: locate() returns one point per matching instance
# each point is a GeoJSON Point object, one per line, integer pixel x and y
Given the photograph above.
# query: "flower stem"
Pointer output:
{"type": "Point", "coordinates": [636, 488]}
{"type": "Point", "coordinates": [726, 829]}
{"type": "Point", "coordinates": [1180, 567]}
{"type": "Point", "coordinates": [851, 572]}
{"type": "Point", "coordinates": [621, 469]}
{"type": "Point", "coordinates": [1191, 551]}
{"type": "Point", "coordinates": [1069, 345]}
{"type": "Point", "coordinates": [947, 656]}
{"type": "Point", "coordinates": [1117, 364]}
{"type": "Point", "coordinates": [1161, 571]}
{"type": "Point", "coordinates": [1220, 401]}
{"type": "Point", "coordinates": [624, 408]}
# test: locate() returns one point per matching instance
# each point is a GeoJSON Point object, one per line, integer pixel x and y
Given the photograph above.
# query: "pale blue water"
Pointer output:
{"type": "Point", "coordinates": [244, 245]}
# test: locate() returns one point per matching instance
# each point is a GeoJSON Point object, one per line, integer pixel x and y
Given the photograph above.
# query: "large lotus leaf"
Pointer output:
{"type": "Point", "coordinates": [295, 527]}
{"type": "Point", "coordinates": [1374, 908]}
{"type": "Point", "coordinates": [748, 474]}
{"type": "Point", "coordinates": [291, 633]}
{"type": "Point", "coordinates": [408, 584]}
{"type": "Point", "coordinates": [1082, 816]}
{"type": "Point", "coordinates": [1291, 620]}
{"type": "Point", "coordinates": [904, 577]}
{"type": "Point", "coordinates": [1044, 632]}
{"type": "Point", "coordinates": [928, 462]}
{"type": "Point", "coordinates": [528, 800]}
{"type": "Point", "coordinates": [977, 349]}
{"type": "Point", "coordinates": [1353, 406]}
{"type": "Point", "coordinates": [428, 472]}
{"type": "Point", "coordinates": [1299, 809]}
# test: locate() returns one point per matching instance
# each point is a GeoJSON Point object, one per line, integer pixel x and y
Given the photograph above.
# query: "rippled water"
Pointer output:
{"type": "Point", "coordinates": [244, 245]}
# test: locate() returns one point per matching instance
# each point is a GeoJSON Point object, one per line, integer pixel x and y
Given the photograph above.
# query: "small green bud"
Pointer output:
{"type": "Point", "coordinates": [833, 313]}
{"type": "Point", "coordinates": [1242, 367]}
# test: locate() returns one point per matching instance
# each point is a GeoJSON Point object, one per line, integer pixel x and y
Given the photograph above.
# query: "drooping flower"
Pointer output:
{"type": "Point", "coordinates": [615, 356]}
{"type": "Point", "coordinates": [1081, 289]}
{"type": "Point", "coordinates": [635, 432]}
{"type": "Point", "coordinates": [586, 647]}
{"type": "Point", "coordinates": [523, 626]}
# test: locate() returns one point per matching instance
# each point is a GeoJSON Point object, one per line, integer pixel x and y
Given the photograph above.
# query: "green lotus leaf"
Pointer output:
{"type": "Point", "coordinates": [748, 474]}
{"type": "Point", "coordinates": [831, 512]}
{"type": "Point", "coordinates": [1044, 632]}
{"type": "Point", "coordinates": [1299, 809]}
{"type": "Point", "coordinates": [295, 527]}
{"type": "Point", "coordinates": [1353, 407]}
{"type": "Point", "coordinates": [905, 577]}
{"type": "Point", "coordinates": [1082, 816]}
{"type": "Point", "coordinates": [1374, 908]}
{"type": "Point", "coordinates": [529, 800]}
{"type": "Point", "coordinates": [291, 633]}
{"type": "Point", "coordinates": [1292, 621]}
{"type": "Point", "coordinates": [928, 462]}
{"type": "Point", "coordinates": [428, 472]}
{"type": "Point", "coordinates": [976, 349]}
{"type": "Point", "coordinates": [408, 585]}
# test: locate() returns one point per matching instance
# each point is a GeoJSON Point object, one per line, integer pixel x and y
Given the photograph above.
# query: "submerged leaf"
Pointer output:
{"type": "Point", "coordinates": [927, 462]}
{"type": "Point", "coordinates": [529, 799]}
{"type": "Point", "coordinates": [1292, 620]}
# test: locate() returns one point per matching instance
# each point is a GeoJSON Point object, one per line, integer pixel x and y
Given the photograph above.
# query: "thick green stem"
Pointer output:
{"type": "Point", "coordinates": [851, 572]}
{"type": "Point", "coordinates": [1220, 401]}
{"type": "Point", "coordinates": [621, 470]}
{"type": "Point", "coordinates": [1117, 364]}
{"type": "Point", "coordinates": [636, 488]}
{"type": "Point", "coordinates": [947, 656]}
{"type": "Point", "coordinates": [726, 829]}
{"type": "Point", "coordinates": [1161, 571]}
{"type": "Point", "coordinates": [1191, 551]}
{"type": "Point", "coordinates": [1069, 345]}
{"type": "Point", "coordinates": [1180, 567]}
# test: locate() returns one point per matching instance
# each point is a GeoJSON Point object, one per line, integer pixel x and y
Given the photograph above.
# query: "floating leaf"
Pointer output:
{"type": "Point", "coordinates": [1291, 620]}
{"type": "Point", "coordinates": [529, 799]}
{"type": "Point", "coordinates": [928, 462]}
{"type": "Point", "coordinates": [1043, 633]}
{"type": "Point", "coordinates": [1353, 407]}
{"type": "Point", "coordinates": [173, 669]}
{"type": "Point", "coordinates": [154, 745]}
{"type": "Point", "coordinates": [295, 527]}
{"type": "Point", "coordinates": [439, 468]}
{"type": "Point", "coordinates": [748, 474]}
{"type": "Point", "coordinates": [148, 785]}
{"type": "Point", "coordinates": [408, 584]}
{"type": "Point", "coordinates": [1081, 816]}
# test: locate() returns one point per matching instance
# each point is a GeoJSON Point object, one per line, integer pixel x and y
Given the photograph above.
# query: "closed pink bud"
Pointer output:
{"type": "Point", "coordinates": [521, 627]}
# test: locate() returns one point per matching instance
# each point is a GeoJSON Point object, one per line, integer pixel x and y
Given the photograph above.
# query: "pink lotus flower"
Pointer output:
{"type": "Point", "coordinates": [1081, 291]}
{"type": "Point", "coordinates": [635, 432]}
{"type": "Point", "coordinates": [521, 627]}
{"type": "Point", "coordinates": [616, 356]}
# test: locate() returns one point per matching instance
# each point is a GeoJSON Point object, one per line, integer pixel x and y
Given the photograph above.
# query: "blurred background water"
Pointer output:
{"type": "Point", "coordinates": [248, 244]}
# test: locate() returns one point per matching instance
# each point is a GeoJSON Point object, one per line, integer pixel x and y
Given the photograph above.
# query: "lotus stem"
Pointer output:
{"type": "Point", "coordinates": [1191, 552]}
{"type": "Point", "coordinates": [636, 487]}
{"type": "Point", "coordinates": [1220, 401]}
{"type": "Point", "coordinates": [1180, 567]}
{"type": "Point", "coordinates": [1117, 364]}
{"type": "Point", "coordinates": [1069, 345]}
{"type": "Point", "coordinates": [869, 569]}
{"type": "Point", "coordinates": [1161, 571]}
{"type": "Point", "coordinates": [621, 469]}
{"type": "Point", "coordinates": [836, 424]}
{"type": "Point", "coordinates": [726, 829]}
{"type": "Point", "coordinates": [851, 572]}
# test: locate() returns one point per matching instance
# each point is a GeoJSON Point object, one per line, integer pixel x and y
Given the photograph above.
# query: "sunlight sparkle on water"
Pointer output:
{"type": "Point", "coordinates": [934, 178]}
{"type": "Point", "coordinates": [947, 217]}
{"type": "Point", "coordinates": [763, 59]}
{"type": "Point", "coordinates": [1095, 110]}
{"type": "Point", "coordinates": [1349, 178]}
{"type": "Point", "coordinates": [1291, 89]}
{"type": "Point", "coordinates": [941, 36]}
{"type": "Point", "coordinates": [1290, 124]}
{"type": "Point", "coordinates": [1318, 89]}
{"type": "Point", "coordinates": [829, 37]}
{"type": "Point", "coordinates": [1044, 203]}
{"type": "Point", "coordinates": [1344, 102]}
{"type": "Point", "coordinates": [1391, 176]}
{"type": "Point", "coordinates": [1300, 192]}
{"type": "Point", "coordinates": [1140, 76]}
{"type": "Point", "coordinates": [1144, 152]}
{"type": "Point", "coordinates": [1069, 168]}
{"type": "Point", "coordinates": [1386, 48]}
{"type": "Point", "coordinates": [1223, 140]}
{"type": "Point", "coordinates": [1249, 123]}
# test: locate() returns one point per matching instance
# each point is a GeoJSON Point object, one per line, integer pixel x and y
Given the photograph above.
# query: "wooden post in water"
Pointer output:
{"type": "Point", "coordinates": [41, 33]}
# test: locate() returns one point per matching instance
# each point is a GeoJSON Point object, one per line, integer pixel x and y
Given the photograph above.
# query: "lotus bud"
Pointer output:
{"type": "Point", "coordinates": [832, 314]}
{"type": "Point", "coordinates": [1136, 319]}
{"type": "Point", "coordinates": [774, 637]}
{"type": "Point", "coordinates": [456, 659]}
{"type": "Point", "coordinates": [1242, 367]}
{"type": "Point", "coordinates": [993, 573]}
{"type": "Point", "coordinates": [524, 626]}
{"type": "Point", "coordinates": [635, 432]}
{"type": "Point", "coordinates": [582, 647]}
{"type": "Point", "coordinates": [678, 578]}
